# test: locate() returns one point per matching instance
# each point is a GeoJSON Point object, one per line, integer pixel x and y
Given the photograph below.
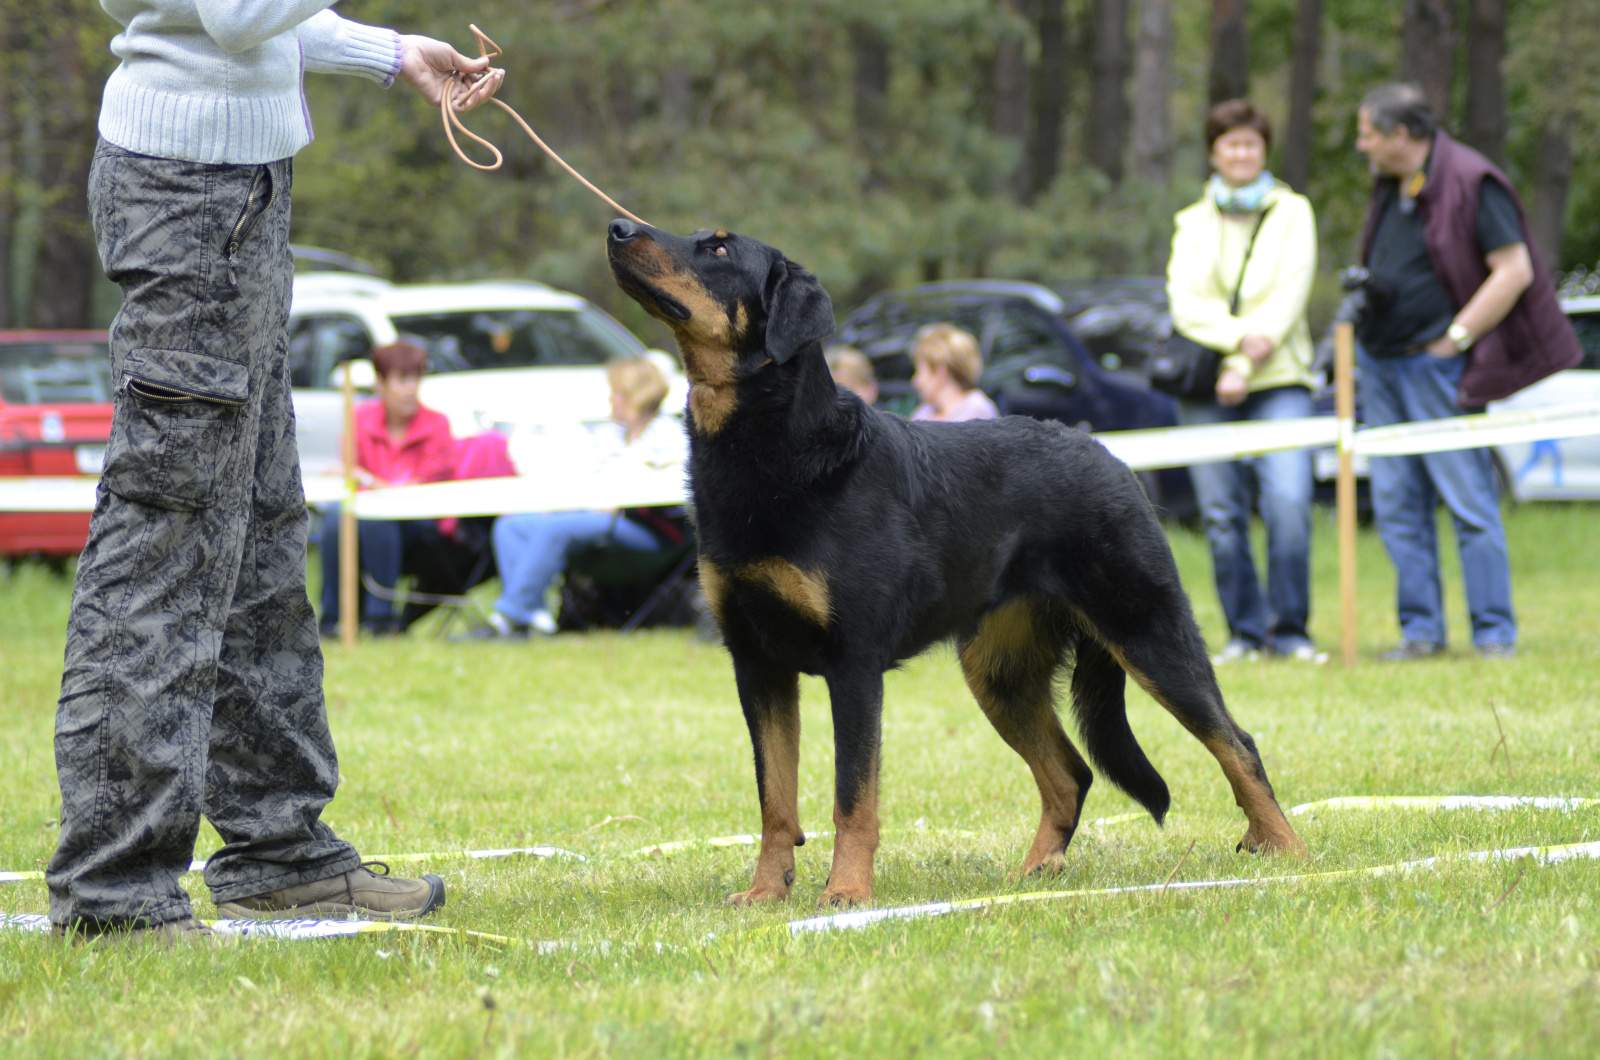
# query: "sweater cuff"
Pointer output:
{"type": "Point", "coordinates": [371, 52]}
{"type": "Point", "coordinates": [335, 45]}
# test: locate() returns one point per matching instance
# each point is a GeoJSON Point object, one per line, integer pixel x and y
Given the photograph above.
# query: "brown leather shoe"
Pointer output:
{"type": "Point", "coordinates": [171, 933]}
{"type": "Point", "coordinates": [360, 892]}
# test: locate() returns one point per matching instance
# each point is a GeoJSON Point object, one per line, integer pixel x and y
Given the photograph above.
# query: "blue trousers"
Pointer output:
{"type": "Point", "coordinates": [1278, 618]}
{"type": "Point", "coordinates": [1406, 490]}
{"type": "Point", "coordinates": [381, 546]}
{"type": "Point", "coordinates": [532, 548]}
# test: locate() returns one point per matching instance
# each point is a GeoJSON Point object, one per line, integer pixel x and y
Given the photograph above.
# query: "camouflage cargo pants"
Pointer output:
{"type": "Point", "coordinates": [193, 677]}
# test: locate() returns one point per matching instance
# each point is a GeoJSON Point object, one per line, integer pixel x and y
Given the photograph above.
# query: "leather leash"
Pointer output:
{"type": "Point", "coordinates": [452, 123]}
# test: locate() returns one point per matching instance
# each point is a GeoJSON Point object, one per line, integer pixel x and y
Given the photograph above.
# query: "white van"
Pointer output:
{"type": "Point", "coordinates": [519, 357]}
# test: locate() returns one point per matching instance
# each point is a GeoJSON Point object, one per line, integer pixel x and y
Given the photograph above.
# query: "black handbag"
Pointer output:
{"type": "Point", "coordinates": [1186, 369]}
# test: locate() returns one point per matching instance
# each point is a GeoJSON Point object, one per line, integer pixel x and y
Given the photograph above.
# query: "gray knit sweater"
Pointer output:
{"type": "Point", "coordinates": [220, 80]}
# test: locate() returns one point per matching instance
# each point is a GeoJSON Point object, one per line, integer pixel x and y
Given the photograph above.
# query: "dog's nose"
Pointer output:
{"type": "Point", "coordinates": [621, 230]}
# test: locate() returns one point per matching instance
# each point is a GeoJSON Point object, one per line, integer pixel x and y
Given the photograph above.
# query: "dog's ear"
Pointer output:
{"type": "Point", "coordinates": [798, 310]}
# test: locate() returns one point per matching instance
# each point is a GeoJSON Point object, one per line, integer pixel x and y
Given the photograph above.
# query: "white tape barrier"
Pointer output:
{"type": "Point", "coordinates": [1164, 447]}
{"type": "Point", "coordinates": [1542, 856]}
{"type": "Point", "coordinates": [1550, 422]}
{"type": "Point", "coordinates": [583, 487]}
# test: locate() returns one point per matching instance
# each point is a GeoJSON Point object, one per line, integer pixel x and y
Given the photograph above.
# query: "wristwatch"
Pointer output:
{"type": "Point", "coordinates": [1459, 336]}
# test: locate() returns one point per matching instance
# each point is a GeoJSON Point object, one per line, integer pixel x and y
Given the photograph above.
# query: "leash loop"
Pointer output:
{"type": "Point", "coordinates": [488, 49]}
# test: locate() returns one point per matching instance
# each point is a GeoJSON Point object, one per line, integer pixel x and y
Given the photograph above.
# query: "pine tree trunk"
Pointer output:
{"type": "Point", "coordinates": [1552, 179]}
{"type": "Point", "coordinates": [1298, 137]}
{"type": "Point", "coordinates": [869, 51]}
{"type": "Point", "coordinates": [1152, 91]}
{"type": "Point", "coordinates": [1009, 114]}
{"type": "Point", "coordinates": [67, 263]}
{"type": "Point", "coordinates": [1047, 96]}
{"type": "Point", "coordinates": [1230, 52]}
{"type": "Point", "coordinates": [1428, 50]}
{"type": "Point", "coordinates": [1108, 98]}
{"type": "Point", "coordinates": [1485, 127]}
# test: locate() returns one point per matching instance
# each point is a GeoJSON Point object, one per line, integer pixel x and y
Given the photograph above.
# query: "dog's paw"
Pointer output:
{"type": "Point", "coordinates": [756, 895]}
{"type": "Point", "coordinates": [1050, 865]}
{"type": "Point", "coordinates": [844, 897]}
{"type": "Point", "coordinates": [1275, 842]}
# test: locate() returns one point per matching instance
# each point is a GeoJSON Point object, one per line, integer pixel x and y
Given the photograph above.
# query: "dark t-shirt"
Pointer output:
{"type": "Point", "coordinates": [1407, 305]}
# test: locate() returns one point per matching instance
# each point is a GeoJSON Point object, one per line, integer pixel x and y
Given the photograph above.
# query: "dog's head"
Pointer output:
{"type": "Point", "coordinates": [733, 303]}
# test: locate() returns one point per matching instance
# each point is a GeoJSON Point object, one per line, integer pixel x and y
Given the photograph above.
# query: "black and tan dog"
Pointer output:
{"type": "Point", "coordinates": [838, 540]}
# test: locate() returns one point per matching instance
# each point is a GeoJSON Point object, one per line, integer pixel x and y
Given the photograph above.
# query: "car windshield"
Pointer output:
{"type": "Point", "coordinates": [44, 373]}
{"type": "Point", "coordinates": [517, 338]}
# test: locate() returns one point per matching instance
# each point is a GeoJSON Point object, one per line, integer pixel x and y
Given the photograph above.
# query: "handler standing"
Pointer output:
{"type": "Point", "coordinates": [193, 675]}
{"type": "Point", "coordinates": [1460, 313]}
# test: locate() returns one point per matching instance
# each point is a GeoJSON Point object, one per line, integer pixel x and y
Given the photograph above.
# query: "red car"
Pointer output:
{"type": "Point", "coordinates": [55, 418]}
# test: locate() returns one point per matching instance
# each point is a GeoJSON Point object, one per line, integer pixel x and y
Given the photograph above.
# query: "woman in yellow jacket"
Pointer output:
{"type": "Point", "coordinates": [1265, 374]}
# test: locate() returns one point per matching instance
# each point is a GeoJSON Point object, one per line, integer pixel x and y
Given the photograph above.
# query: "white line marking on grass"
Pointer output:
{"type": "Point", "coordinates": [1445, 802]}
{"type": "Point", "coordinates": [867, 917]}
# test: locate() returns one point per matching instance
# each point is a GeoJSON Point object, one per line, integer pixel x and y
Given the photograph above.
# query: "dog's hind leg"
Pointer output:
{"type": "Point", "coordinates": [857, 700]}
{"type": "Point", "coordinates": [1009, 665]}
{"type": "Point", "coordinates": [1163, 651]}
{"type": "Point", "coordinates": [771, 701]}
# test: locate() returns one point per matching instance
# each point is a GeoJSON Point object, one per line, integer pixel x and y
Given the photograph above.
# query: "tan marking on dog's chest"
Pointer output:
{"type": "Point", "coordinates": [805, 591]}
{"type": "Point", "coordinates": [715, 585]}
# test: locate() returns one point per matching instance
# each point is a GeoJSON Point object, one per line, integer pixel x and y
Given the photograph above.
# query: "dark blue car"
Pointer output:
{"type": "Point", "coordinates": [1033, 364]}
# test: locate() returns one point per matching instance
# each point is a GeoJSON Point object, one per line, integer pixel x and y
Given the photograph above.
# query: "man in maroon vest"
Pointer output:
{"type": "Point", "coordinates": [1460, 312]}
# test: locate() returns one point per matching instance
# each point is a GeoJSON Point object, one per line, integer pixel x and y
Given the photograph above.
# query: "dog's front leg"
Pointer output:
{"type": "Point", "coordinates": [857, 735]}
{"type": "Point", "coordinates": [770, 698]}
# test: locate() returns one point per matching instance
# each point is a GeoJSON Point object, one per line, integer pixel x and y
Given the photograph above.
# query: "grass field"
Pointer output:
{"type": "Point", "coordinates": [604, 744]}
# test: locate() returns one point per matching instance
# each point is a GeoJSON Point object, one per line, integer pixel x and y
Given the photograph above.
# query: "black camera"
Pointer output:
{"type": "Point", "coordinates": [1362, 295]}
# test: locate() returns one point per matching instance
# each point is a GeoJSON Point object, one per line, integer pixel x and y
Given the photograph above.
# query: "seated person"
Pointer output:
{"type": "Point", "coordinates": [948, 363]}
{"type": "Point", "coordinates": [398, 442]}
{"type": "Point", "coordinates": [853, 371]}
{"type": "Point", "coordinates": [531, 549]}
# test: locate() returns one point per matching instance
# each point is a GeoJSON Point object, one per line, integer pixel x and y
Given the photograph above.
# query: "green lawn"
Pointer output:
{"type": "Point", "coordinates": [603, 744]}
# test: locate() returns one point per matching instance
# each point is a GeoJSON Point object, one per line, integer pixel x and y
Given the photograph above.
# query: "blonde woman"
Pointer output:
{"type": "Point", "coordinates": [1240, 273]}
{"type": "Point", "coordinates": [948, 363]}
{"type": "Point", "coordinates": [531, 549]}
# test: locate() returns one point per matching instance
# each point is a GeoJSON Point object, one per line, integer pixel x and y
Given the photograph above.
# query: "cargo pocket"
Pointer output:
{"type": "Point", "coordinates": [176, 428]}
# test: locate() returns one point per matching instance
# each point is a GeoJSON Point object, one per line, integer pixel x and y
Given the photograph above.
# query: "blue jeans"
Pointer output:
{"type": "Point", "coordinates": [532, 548]}
{"type": "Point", "coordinates": [380, 548]}
{"type": "Point", "coordinates": [1278, 619]}
{"type": "Point", "coordinates": [1406, 490]}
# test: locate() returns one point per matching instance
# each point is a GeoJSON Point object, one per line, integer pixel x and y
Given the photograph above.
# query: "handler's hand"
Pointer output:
{"type": "Point", "coordinates": [1256, 347]}
{"type": "Point", "coordinates": [1231, 388]}
{"type": "Point", "coordinates": [430, 66]}
{"type": "Point", "coordinates": [1442, 348]}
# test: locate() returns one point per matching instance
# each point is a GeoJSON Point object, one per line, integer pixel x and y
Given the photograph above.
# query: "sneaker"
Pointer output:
{"type": "Point", "coordinates": [1412, 649]}
{"type": "Point", "coordinates": [1301, 651]}
{"type": "Point", "coordinates": [543, 622]}
{"type": "Point", "coordinates": [171, 933]}
{"type": "Point", "coordinates": [361, 892]}
{"type": "Point", "coordinates": [1497, 651]}
{"type": "Point", "coordinates": [1236, 650]}
{"type": "Point", "coordinates": [497, 627]}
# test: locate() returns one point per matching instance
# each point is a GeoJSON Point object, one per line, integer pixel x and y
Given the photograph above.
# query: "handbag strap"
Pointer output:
{"type": "Point", "coordinates": [1233, 303]}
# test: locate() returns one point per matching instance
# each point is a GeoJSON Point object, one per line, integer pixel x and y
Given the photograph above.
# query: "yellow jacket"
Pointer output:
{"type": "Point", "coordinates": [1207, 250]}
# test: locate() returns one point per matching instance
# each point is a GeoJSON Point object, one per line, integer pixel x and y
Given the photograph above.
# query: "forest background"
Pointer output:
{"type": "Point", "coordinates": [880, 144]}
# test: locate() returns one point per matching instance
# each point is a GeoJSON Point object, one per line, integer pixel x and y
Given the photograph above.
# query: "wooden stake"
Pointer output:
{"type": "Point", "coordinates": [1344, 356]}
{"type": "Point", "coordinates": [349, 556]}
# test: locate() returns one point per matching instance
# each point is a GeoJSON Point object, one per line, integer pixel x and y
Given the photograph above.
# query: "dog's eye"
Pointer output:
{"type": "Point", "coordinates": [720, 251]}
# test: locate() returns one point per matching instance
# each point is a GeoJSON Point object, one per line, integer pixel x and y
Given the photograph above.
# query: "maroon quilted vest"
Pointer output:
{"type": "Point", "coordinates": [1535, 339]}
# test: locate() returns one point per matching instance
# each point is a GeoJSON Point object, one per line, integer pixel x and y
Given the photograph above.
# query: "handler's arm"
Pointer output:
{"type": "Point", "coordinates": [1510, 273]}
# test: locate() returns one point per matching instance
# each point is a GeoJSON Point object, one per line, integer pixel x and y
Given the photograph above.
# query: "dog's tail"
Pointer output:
{"type": "Point", "coordinates": [1098, 704]}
